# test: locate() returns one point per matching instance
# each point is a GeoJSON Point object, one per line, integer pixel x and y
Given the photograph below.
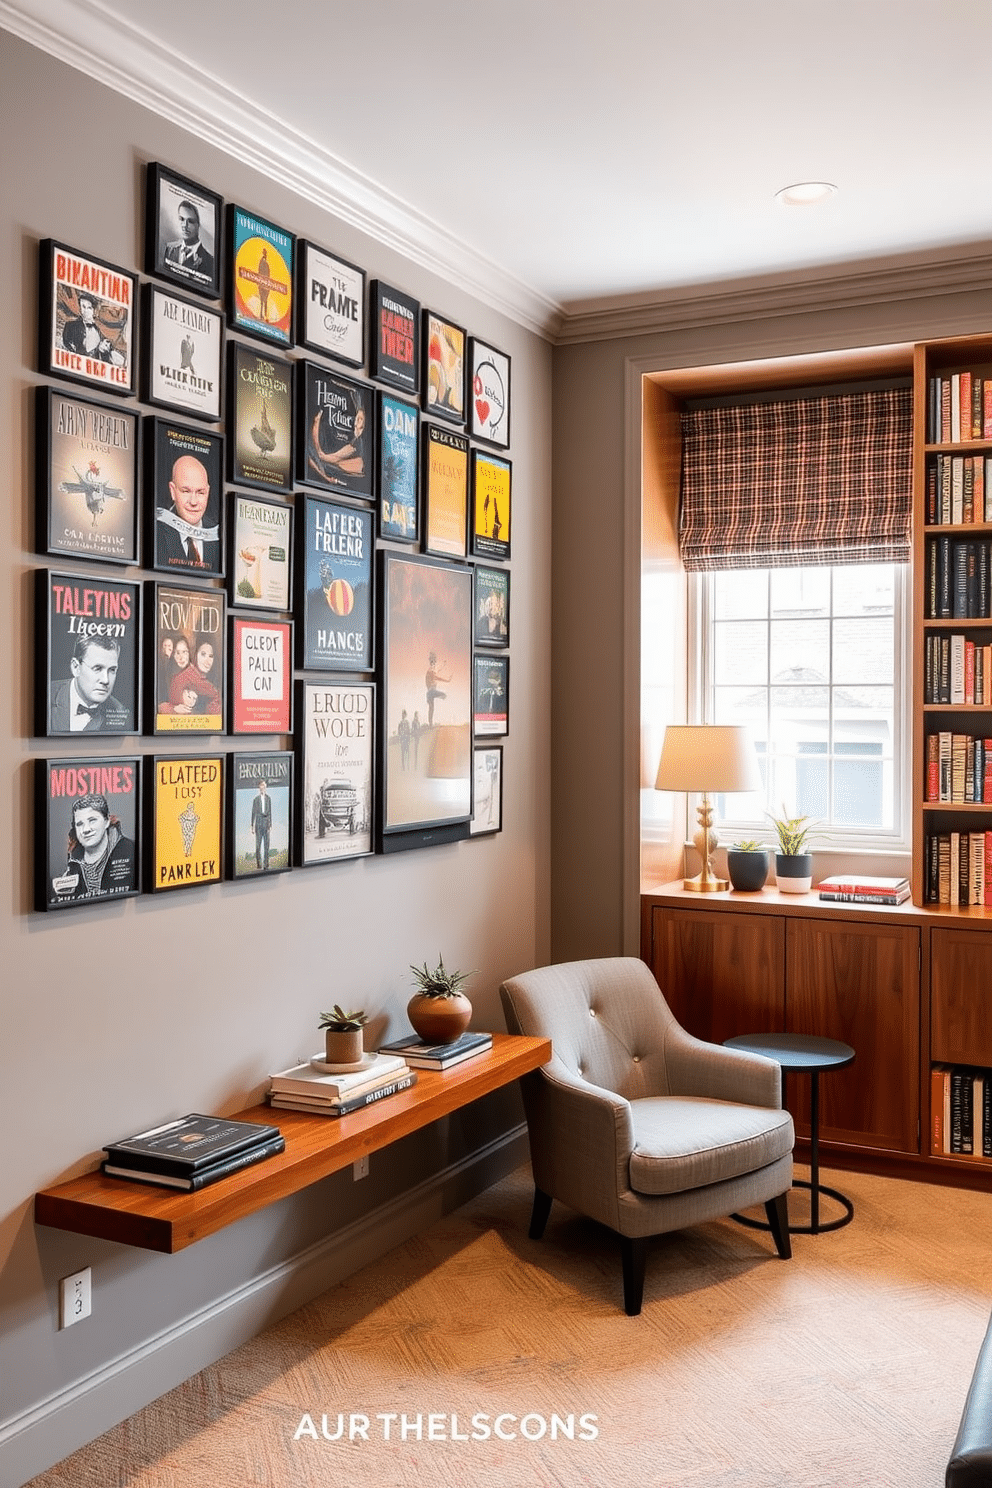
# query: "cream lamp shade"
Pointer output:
{"type": "Point", "coordinates": [705, 758]}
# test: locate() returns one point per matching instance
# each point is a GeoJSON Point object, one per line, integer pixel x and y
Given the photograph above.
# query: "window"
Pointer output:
{"type": "Point", "coordinates": [813, 661]}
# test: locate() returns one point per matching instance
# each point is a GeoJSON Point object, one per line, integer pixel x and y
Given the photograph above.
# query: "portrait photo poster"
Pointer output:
{"type": "Point", "coordinates": [186, 812]}
{"type": "Point", "coordinates": [87, 477]}
{"type": "Point", "coordinates": [492, 690]}
{"type": "Point", "coordinates": [261, 287]}
{"type": "Point", "coordinates": [87, 843]}
{"type": "Point", "coordinates": [334, 561]}
{"type": "Point", "coordinates": [336, 762]}
{"type": "Point", "coordinates": [260, 814]}
{"type": "Point", "coordinates": [187, 653]}
{"type": "Point", "coordinates": [261, 676]}
{"type": "Point", "coordinates": [182, 231]}
{"type": "Point", "coordinates": [87, 665]}
{"type": "Point", "coordinates": [185, 485]}
{"type": "Point", "coordinates": [86, 320]}
{"type": "Point", "coordinates": [260, 418]}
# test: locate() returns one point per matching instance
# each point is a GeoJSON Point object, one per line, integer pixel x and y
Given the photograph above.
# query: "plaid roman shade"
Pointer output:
{"type": "Point", "coordinates": [817, 480]}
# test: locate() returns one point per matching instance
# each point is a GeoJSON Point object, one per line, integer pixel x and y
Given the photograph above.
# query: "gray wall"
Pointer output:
{"type": "Point", "coordinates": [119, 1017]}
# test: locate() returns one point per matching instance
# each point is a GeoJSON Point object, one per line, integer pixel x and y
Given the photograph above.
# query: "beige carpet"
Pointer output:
{"type": "Point", "coordinates": [844, 1368]}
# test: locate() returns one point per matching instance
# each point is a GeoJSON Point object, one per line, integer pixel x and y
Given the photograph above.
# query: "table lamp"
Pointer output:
{"type": "Point", "coordinates": [704, 758]}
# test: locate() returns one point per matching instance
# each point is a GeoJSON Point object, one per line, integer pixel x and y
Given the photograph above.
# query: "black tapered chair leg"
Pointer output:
{"type": "Point", "coordinates": [539, 1213]}
{"type": "Point", "coordinates": [777, 1210]}
{"type": "Point", "coordinates": [634, 1256]}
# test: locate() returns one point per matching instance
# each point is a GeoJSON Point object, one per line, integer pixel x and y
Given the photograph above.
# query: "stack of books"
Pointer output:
{"type": "Point", "coordinates": [310, 1087]}
{"type": "Point", "coordinates": [439, 1056]}
{"type": "Point", "coordinates": [191, 1152]}
{"type": "Point", "coordinates": [865, 888]}
{"type": "Point", "coordinates": [960, 1111]}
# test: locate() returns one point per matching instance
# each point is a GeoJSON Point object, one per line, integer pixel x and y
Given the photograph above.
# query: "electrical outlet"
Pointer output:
{"type": "Point", "coordinates": [76, 1298]}
{"type": "Point", "coordinates": [360, 1168]}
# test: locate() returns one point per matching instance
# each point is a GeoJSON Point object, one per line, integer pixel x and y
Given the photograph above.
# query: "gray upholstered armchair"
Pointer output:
{"type": "Point", "coordinates": [637, 1124]}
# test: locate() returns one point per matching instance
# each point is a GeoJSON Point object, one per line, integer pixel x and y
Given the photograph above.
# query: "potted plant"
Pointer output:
{"type": "Point", "coordinates": [343, 1035]}
{"type": "Point", "coordinates": [747, 865]}
{"type": "Point", "coordinates": [793, 862]}
{"type": "Point", "coordinates": [439, 1011]}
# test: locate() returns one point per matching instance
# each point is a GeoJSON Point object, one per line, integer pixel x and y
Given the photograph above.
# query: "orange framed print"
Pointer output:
{"type": "Point", "coordinates": [445, 487]}
{"type": "Point", "coordinates": [86, 325]}
{"type": "Point", "coordinates": [443, 380]}
{"type": "Point", "coordinates": [491, 503]}
{"type": "Point", "coordinates": [186, 818]}
{"type": "Point", "coordinates": [260, 271]}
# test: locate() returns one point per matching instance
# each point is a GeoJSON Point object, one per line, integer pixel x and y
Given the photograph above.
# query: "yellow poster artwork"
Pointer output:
{"type": "Point", "coordinates": [447, 493]}
{"type": "Point", "coordinates": [188, 826]}
{"type": "Point", "coordinates": [490, 506]}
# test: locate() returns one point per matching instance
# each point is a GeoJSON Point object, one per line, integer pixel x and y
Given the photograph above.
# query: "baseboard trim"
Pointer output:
{"type": "Point", "coordinates": [36, 1439]}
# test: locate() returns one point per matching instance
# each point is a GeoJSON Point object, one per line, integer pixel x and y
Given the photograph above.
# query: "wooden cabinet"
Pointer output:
{"type": "Point", "coordinates": [961, 997]}
{"type": "Point", "coordinates": [721, 974]}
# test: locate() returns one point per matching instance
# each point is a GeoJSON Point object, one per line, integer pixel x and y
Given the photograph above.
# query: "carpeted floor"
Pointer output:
{"type": "Point", "coordinates": [844, 1368]}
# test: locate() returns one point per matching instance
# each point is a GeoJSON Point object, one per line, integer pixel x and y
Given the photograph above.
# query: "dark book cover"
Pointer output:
{"type": "Point", "coordinates": [184, 1146]}
{"type": "Point", "coordinates": [190, 1182]}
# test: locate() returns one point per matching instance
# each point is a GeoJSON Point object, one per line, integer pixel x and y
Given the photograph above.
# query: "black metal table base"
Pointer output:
{"type": "Point", "coordinates": [816, 1225]}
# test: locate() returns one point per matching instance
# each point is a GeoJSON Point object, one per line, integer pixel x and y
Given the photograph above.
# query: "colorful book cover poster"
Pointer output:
{"type": "Point", "coordinates": [261, 676]}
{"type": "Point", "coordinates": [260, 814]}
{"type": "Point", "coordinates": [88, 478]}
{"type": "Point", "coordinates": [261, 546]}
{"type": "Point", "coordinates": [87, 844]}
{"type": "Point", "coordinates": [336, 744]}
{"type": "Point", "coordinates": [399, 424]}
{"type": "Point", "coordinates": [336, 448]}
{"type": "Point", "coordinates": [445, 493]}
{"type": "Point", "coordinates": [88, 682]}
{"type": "Point", "coordinates": [337, 544]}
{"type": "Point", "coordinates": [87, 321]}
{"type": "Point", "coordinates": [189, 653]}
{"type": "Point", "coordinates": [186, 469]}
{"type": "Point", "coordinates": [261, 419]}
{"type": "Point", "coordinates": [262, 289]}
{"type": "Point", "coordinates": [187, 813]}
{"type": "Point", "coordinates": [490, 506]}
{"type": "Point", "coordinates": [492, 606]}
{"type": "Point", "coordinates": [394, 349]}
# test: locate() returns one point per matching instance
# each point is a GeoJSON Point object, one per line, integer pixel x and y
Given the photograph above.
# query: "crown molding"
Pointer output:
{"type": "Point", "coordinates": [113, 51]}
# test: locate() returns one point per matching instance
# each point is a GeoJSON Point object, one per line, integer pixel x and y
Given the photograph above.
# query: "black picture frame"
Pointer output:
{"type": "Point", "coordinates": [492, 606]}
{"type": "Point", "coordinates": [260, 548]}
{"type": "Point", "coordinates": [487, 792]}
{"type": "Point", "coordinates": [398, 468]}
{"type": "Point", "coordinates": [182, 462]}
{"type": "Point", "coordinates": [88, 678]}
{"type": "Point", "coordinates": [183, 365]}
{"type": "Point", "coordinates": [260, 264]}
{"type": "Point", "coordinates": [336, 774]}
{"type": "Point", "coordinates": [335, 443]}
{"type": "Point", "coordinates": [491, 696]}
{"type": "Point", "coordinates": [183, 231]}
{"type": "Point", "coordinates": [185, 685]}
{"type": "Point", "coordinates": [330, 299]}
{"type": "Point", "coordinates": [184, 815]}
{"type": "Point", "coordinates": [87, 465]}
{"type": "Point", "coordinates": [86, 321]}
{"type": "Point", "coordinates": [87, 831]}
{"type": "Point", "coordinates": [335, 585]}
{"type": "Point", "coordinates": [260, 822]}
{"type": "Point", "coordinates": [489, 393]}
{"type": "Point", "coordinates": [425, 726]}
{"type": "Point", "coordinates": [259, 418]}
{"type": "Point", "coordinates": [444, 351]}
{"type": "Point", "coordinates": [394, 337]}
{"type": "Point", "coordinates": [260, 675]}
{"type": "Point", "coordinates": [444, 492]}
{"type": "Point", "coordinates": [491, 505]}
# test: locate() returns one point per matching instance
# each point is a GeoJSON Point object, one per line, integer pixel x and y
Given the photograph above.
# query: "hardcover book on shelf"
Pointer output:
{"type": "Point", "coordinates": [315, 1081]}
{"type": "Point", "coordinates": [357, 1102]}
{"type": "Point", "coordinates": [865, 888]}
{"type": "Point", "coordinates": [188, 1144]}
{"type": "Point", "coordinates": [211, 1173]}
{"type": "Point", "coordinates": [439, 1056]}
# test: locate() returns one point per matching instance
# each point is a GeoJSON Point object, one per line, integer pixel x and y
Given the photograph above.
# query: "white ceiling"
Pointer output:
{"type": "Point", "coordinates": [562, 154]}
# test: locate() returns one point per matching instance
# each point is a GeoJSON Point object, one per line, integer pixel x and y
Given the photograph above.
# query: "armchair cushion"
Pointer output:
{"type": "Point", "coordinates": [684, 1142]}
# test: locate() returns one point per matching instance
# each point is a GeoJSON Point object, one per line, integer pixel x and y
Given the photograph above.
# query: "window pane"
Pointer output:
{"type": "Point", "coordinates": [864, 589]}
{"type": "Point", "coordinates": [800, 591]}
{"type": "Point", "coordinates": [740, 652]}
{"type": "Point", "coordinates": [800, 651]}
{"type": "Point", "coordinates": [801, 712]}
{"type": "Point", "coordinates": [740, 594]}
{"type": "Point", "coordinates": [746, 706]}
{"type": "Point", "coordinates": [863, 717]}
{"type": "Point", "coordinates": [858, 793]}
{"type": "Point", "coordinates": [863, 650]}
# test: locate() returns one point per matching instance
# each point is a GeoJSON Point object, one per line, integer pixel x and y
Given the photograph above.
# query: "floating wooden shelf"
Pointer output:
{"type": "Point", "coordinates": [163, 1220]}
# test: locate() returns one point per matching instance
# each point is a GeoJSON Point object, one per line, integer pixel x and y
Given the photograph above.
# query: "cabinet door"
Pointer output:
{"type": "Point", "coordinates": [859, 984]}
{"type": "Point", "coordinates": [961, 997]}
{"type": "Point", "coordinates": [722, 974]}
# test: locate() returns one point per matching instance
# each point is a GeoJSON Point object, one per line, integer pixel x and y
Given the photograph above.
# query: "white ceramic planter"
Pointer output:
{"type": "Point", "coordinates": [794, 875]}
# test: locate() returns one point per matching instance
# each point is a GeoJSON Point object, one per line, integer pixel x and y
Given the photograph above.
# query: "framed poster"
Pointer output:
{"type": "Point", "coordinates": [335, 437]}
{"type": "Point", "coordinates": [443, 381]}
{"type": "Point", "coordinates": [489, 403]}
{"type": "Point", "coordinates": [490, 506]}
{"type": "Point", "coordinates": [260, 258]}
{"type": "Point", "coordinates": [259, 418]}
{"type": "Point", "coordinates": [261, 676]}
{"type": "Point", "coordinates": [259, 814]}
{"type": "Point", "coordinates": [87, 478]}
{"type": "Point", "coordinates": [182, 231]}
{"type": "Point", "coordinates": [331, 294]}
{"type": "Point", "coordinates": [396, 476]}
{"type": "Point", "coordinates": [261, 547]}
{"type": "Point", "coordinates": [334, 564]}
{"type": "Point", "coordinates": [335, 733]}
{"type": "Point", "coordinates": [183, 498]}
{"type": "Point", "coordinates": [86, 319]}
{"type": "Point", "coordinates": [445, 487]}
{"type": "Point", "coordinates": [87, 655]}
{"type": "Point", "coordinates": [186, 657]}
{"type": "Point", "coordinates": [186, 811]}
{"type": "Point", "coordinates": [425, 731]}
{"type": "Point", "coordinates": [394, 340]}
{"type": "Point", "coordinates": [492, 606]}
{"type": "Point", "coordinates": [87, 831]}
{"type": "Point", "coordinates": [182, 354]}
{"type": "Point", "coordinates": [491, 696]}
{"type": "Point", "coordinates": [487, 811]}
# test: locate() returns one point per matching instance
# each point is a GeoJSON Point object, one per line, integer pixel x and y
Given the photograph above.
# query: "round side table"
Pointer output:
{"type": "Point", "coordinates": [801, 1053]}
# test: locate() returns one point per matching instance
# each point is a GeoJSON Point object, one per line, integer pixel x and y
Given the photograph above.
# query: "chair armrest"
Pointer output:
{"type": "Point", "coordinates": [581, 1138]}
{"type": "Point", "coordinates": [698, 1068]}
{"type": "Point", "coordinates": [971, 1457]}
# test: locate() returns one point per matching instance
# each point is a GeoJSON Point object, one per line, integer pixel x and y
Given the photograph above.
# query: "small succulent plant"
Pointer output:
{"type": "Point", "coordinates": [338, 1021]}
{"type": "Point", "coordinates": [792, 833]}
{"type": "Point", "coordinates": [440, 982]}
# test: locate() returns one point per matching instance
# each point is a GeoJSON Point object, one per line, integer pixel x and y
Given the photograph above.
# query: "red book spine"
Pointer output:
{"type": "Point", "coordinates": [988, 866]}
{"type": "Point", "coordinates": [933, 768]}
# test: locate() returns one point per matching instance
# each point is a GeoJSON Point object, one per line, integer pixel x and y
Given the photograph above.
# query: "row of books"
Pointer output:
{"type": "Point", "coordinates": [864, 888]}
{"type": "Point", "coordinates": [191, 1152]}
{"type": "Point", "coordinates": [959, 407]}
{"type": "Point", "coordinates": [312, 1087]}
{"type": "Point", "coordinates": [959, 769]}
{"type": "Point", "coordinates": [957, 869]}
{"type": "Point", "coordinates": [956, 669]}
{"type": "Point", "coordinates": [960, 1111]}
{"type": "Point", "coordinates": [959, 490]}
{"type": "Point", "coordinates": [958, 579]}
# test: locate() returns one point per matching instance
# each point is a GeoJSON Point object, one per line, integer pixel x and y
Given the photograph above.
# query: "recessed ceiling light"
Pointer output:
{"type": "Point", "coordinates": [805, 193]}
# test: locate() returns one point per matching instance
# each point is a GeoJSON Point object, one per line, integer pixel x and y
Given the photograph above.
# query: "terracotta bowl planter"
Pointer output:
{"type": "Point", "coordinates": [439, 1020]}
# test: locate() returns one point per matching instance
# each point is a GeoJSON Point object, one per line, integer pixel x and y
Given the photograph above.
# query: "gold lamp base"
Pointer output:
{"type": "Point", "coordinates": [705, 882]}
{"type": "Point", "coordinates": [706, 885]}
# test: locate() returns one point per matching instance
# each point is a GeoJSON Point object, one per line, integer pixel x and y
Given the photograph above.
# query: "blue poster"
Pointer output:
{"type": "Point", "coordinates": [398, 431]}
{"type": "Point", "coordinates": [337, 542]}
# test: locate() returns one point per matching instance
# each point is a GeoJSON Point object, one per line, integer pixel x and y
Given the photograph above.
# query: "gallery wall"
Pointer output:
{"type": "Point", "coordinates": [121, 1015]}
